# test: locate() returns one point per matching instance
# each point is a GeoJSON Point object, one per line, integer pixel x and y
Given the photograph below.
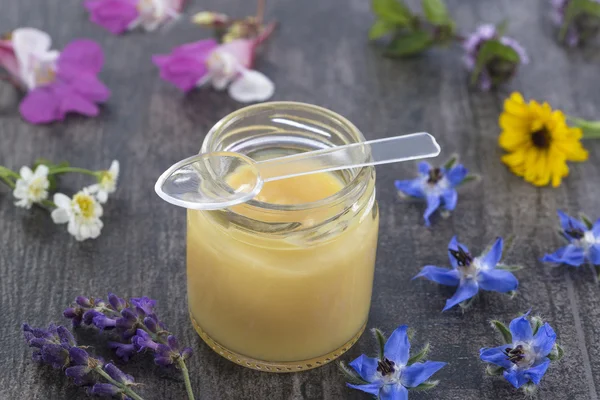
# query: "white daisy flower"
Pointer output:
{"type": "Point", "coordinates": [107, 183]}
{"type": "Point", "coordinates": [31, 187]}
{"type": "Point", "coordinates": [82, 212]}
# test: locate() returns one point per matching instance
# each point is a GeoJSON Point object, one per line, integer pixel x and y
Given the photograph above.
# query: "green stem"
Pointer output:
{"type": "Point", "coordinates": [591, 129]}
{"type": "Point", "coordinates": [180, 362]}
{"type": "Point", "coordinates": [61, 170]}
{"type": "Point", "coordinates": [10, 183]}
{"type": "Point", "coordinates": [8, 172]}
{"type": "Point", "coordinates": [126, 389]}
{"type": "Point", "coordinates": [186, 378]}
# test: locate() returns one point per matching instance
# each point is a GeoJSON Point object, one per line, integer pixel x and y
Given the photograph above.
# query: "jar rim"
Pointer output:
{"type": "Point", "coordinates": [355, 186]}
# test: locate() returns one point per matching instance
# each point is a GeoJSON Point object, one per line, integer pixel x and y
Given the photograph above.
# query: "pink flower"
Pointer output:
{"type": "Point", "coordinates": [118, 16]}
{"type": "Point", "coordinates": [226, 65]}
{"type": "Point", "coordinates": [57, 82]}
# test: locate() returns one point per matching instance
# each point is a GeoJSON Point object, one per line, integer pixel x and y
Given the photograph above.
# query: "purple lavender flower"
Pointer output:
{"type": "Point", "coordinates": [470, 273]}
{"type": "Point", "coordinates": [496, 69]}
{"type": "Point", "coordinates": [436, 185]}
{"type": "Point", "coordinates": [56, 346]}
{"type": "Point", "coordinates": [138, 326]}
{"type": "Point", "coordinates": [136, 323]}
{"type": "Point", "coordinates": [580, 28]}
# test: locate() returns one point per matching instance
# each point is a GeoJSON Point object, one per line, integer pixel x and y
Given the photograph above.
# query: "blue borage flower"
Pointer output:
{"type": "Point", "coordinates": [436, 185]}
{"type": "Point", "coordinates": [583, 237]}
{"type": "Point", "coordinates": [472, 273]}
{"type": "Point", "coordinates": [527, 354]}
{"type": "Point", "coordinates": [394, 372]}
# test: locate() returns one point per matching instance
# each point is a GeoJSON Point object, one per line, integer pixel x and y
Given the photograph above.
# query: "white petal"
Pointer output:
{"type": "Point", "coordinates": [251, 86]}
{"type": "Point", "coordinates": [62, 201]}
{"type": "Point", "coordinates": [102, 196]}
{"type": "Point", "coordinates": [84, 231]}
{"type": "Point", "coordinates": [41, 171]}
{"type": "Point", "coordinates": [29, 44]}
{"type": "Point", "coordinates": [114, 168]}
{"type": "Point", "coordinates": [59, 216]}
{"type": "Point", "coordinates": [26, 173]}
{"type": "Point", "coordinates": [25, 203]}
{"type": "Point", "coordinates": [73, 228]}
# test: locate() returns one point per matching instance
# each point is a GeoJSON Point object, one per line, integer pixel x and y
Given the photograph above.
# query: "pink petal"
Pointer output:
{"type": "Point", "coordinates": [40, 105]}
{"type": "Point", "coordinates": [76, 103]}
{"type": "Point", "coordinates": [186, 65]}
{"type": "Point", "coordinates": [177, 5]}
{"type": "Point", "coordinates": [241, 49]}
{"type": "Point", "coordinates": [90, 87]}
{"type": "Point", "coordinates": [201, 48]}
{"type": "Point", "coordinates": [113, 15]}
{"type": "Point", "coordinates": [81, 56]}
{"type": "Point", "coordinates": [8, 60]}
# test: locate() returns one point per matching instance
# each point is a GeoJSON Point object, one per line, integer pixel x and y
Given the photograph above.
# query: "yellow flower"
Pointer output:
{"type": "Point", "coordinates": [538, 140]}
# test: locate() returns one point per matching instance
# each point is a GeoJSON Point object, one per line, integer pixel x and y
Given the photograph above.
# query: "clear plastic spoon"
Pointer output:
{"type": "Point", "coordinates": [200, 182]}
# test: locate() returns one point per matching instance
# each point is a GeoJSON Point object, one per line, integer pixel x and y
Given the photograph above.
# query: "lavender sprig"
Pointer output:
{"type": "Point", "coordinates": [136, 323]}
{"type": "Point", "coordinates": [56, 346]}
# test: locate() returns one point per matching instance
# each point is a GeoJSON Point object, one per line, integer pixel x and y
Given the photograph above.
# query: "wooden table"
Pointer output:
{"type": "Point", "coordinates": [319, 55]}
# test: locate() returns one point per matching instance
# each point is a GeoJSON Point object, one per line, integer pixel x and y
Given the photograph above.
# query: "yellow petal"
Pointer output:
{"type": "Point", "coordinates": [514, 123]}
{"type": "Point", "coordinates": [512, 141]}
{"type": "Point", "coordinates": [516, 105]}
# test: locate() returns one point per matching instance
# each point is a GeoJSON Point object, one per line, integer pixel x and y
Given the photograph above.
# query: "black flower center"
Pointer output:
{"type": "Point", "coordinates": [385, 366]}
{"type": "Point", "coordinates": [515, 355]}
{"type": "Point", "coordinates": [463, 259]}
{"type": "Point", "coordinates": [575, 233]}
{"type": "Point", "coordinates": [435, 175]}
{"type": "Point", "coordinates": [541, 138]}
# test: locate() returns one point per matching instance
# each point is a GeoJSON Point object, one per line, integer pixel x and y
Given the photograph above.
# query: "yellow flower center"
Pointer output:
{"type": "Point", "coordinates": [541, 138]}
{"type": "Point", "coordinates": [86, 204]}
{"type": "Point", "coordinates": [106, 178]}
{"type": "Point", "coordinates": [37, 189]}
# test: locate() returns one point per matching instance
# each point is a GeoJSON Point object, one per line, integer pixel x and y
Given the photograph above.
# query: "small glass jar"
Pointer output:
{"type": "Point", "coordinates": [284, 287]}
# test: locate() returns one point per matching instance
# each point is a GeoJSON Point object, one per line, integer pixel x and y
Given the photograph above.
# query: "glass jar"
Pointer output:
{"type": "Point", "coordinates": [284, 287]}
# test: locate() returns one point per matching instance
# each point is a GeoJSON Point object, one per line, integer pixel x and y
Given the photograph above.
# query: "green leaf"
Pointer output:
{"type": "Point", "coordinates": [557, 353]}
{"type": "Point", "coordinates": [380, 28]}
{"type": "Point", "coordinates": [501, 28]}
{"type": "Point", "coordinates": [489, 50]}
{"type": "Point", "coordinates": [451, 161]}
{"type": "Point", "coordinates": [380, 337]}
{"type": "Point", "coordinates": [420, 355]}
{"type": "Point", "coordinates": [537, 324]}
{"type": "Point", "coordinates": [510, 268]}
{"type": "Point", "coordinates": [504, 331]}
{"type": "Point", "coordinates": [590, 7]}
{"type": "Point", "coordinates": [493, 370]}
{"type": "Point", "coordinates": [350, 375]}
{"type": "Point", "coordinates": [436, 12]}
{"type": "Point", "coordinates": [409, 44]}
{"type": "Point", "coordinates": [586, 220]}
{"type": "Point", "coordinates": [574, 7]}
{"type": "Point", "coordinates": [469, 178]}
{"type": "Point", "coordinates": [529, 389]}
{"type": "Point", "coordinates": [425, 385]}
{"type": "Point", "coordinates": [393, 11]}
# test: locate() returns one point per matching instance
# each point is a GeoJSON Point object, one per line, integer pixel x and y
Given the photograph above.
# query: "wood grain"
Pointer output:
{"type": "Point", "coordinates": [319, 55]}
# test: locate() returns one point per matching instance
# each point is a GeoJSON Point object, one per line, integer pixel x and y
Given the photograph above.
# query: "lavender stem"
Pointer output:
{"type": "Point", "coordinates": [125, 388]}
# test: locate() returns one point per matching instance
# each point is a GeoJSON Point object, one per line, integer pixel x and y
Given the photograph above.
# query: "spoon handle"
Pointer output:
{"type": "Point", "coordinates": [380, 151]}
